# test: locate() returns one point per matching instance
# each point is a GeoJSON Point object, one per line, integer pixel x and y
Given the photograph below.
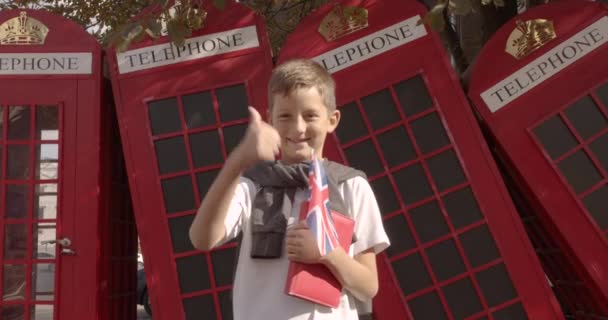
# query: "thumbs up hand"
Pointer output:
{"type": "Point", "coordinates": [261, 141]}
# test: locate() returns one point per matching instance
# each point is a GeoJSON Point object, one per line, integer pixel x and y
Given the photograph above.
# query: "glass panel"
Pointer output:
{"type": "Point", "coordinates": [599, 148]}
{"type": "Point", "coordinates": [412, 184]}
{"type": "Point", "coordinates": [47, 156]}
{"type": "Point", "coordinates": [233, 135]}
{"type": "Point", "coordinates": [427, 306]}
{"type": "Point", "coordinates": [13, 287]}
{"type": "Point", "coordinates": [512, 312]}
{"type": "Point", "coordinates": [445, 260]}
{"type": "Point", "coordinates": [597, 205]}
{"type": "Point", "coordinates": [198, 109]}
{"type": "Point", "coordinates": [17, 201]}
{"type": "Point", "coordinates": [396, 146]}
{"type": "Point", "coordinates": [555, 137]}
{"type": "Point", "coordinates": [602, 93]}
{"type": "Point", "coordinates": [43, 281]}
{"type": "Point", "coordinates": [18, 162]}
{"type": "Point", "coordinates": [19, 123]}
{"type": "Point", "coordinates": [206, 148]}
{"type": "Point", "coordinates": [400, 235]}
{"type": "Point", "coordinates": [462, 298]}
{"type": "Point", "coordinates": [204, 180]}
{"type": "Point", "coordinates": [164, 116]}
{"type": "Point", "coordinates": [44, 232]}
{"type": "Point", "coordinates": [586, 117]}
{"type": "Point", "coordinates": [224, 265]}
{"type": "Point", "coordinates": [383, 190]}
{"type": "Point", "coordinates": [579, 171]}
{"type": "Point", "coordinates": [429, 222]}
{"type": "Point", "coordinates": [45, 204]}
{"type": "Point", "coordinates": [16, 312]}
{"type": "Point", "coordinates": [226, 304]}
{"type": "Point", "coordinates": [232, 103]}
{"type": "Point", "coordinates": [200, 307]}
{"type": "Point", "coordinates": [446, 170]}
{"type": "Point", "coordinates": [429, 133]}
{"type": "Point", "coordinates": [363, 156]}
{"type": "Point", "coordinates": [413, 96]}
{"type": "Point", "coordinates": [479, 246]}
{"type": "Point", "coordinates": [15, 241]}
{"type": "Point", "coordinates": [179, 228]}
{"type": "Point", "coordinates": [42, 312]}
{"type": "Point", "coordinates": [411, 274]}
{"type": "Point", "coordinates": [496, 285]}
{"type": "Point", "coordinates": [351, 123]}
{"type": "Point", "coordinates": [462, 207]}
{"type": "Point", "coordinates": [178, 194]}
{"type": "Point", "coordinates": [193, 273]}
{"type": "Point", "coordinates": [47, 123]}
{"type": "Point", "coordinates": [171, 155]}
{"type": "Point", "coordinates": [380, 109]}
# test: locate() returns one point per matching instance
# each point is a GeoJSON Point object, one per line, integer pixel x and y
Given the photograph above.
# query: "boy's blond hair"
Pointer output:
{"type": "Point", "coordinates": [302, 74]}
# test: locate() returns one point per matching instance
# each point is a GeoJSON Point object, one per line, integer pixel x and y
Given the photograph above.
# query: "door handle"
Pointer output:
{"type": "Point", "coordinates": [65, 242]}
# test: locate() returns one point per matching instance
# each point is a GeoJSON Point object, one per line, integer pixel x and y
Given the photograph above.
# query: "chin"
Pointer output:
{"type": "Point", "coordinates": [296, 156]}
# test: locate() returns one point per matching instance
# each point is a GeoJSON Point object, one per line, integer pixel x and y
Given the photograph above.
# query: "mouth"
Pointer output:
{"type": "Point", "coordinates": [298, 140]}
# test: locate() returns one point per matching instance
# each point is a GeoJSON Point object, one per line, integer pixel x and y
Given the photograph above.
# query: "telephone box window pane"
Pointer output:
{"type": "Point", "coordinates": [164, 116]}
{"type": "Point", "coordinates": [178, 194]}
{"type": "Point", "coordinates": [233, 103]}
{"type": "Point", "coordinates": [226, 304]}
{"type": "Point", "coordinates": [19, 123]}
{"type": "Point", "coordinates": [41, 312]}
{"type": "Point", "coordinates": [47, 157]}
{"type": "Point", "coordinates": [351, 123]}
{"type": "Point", "coordinates": [47, 123]}
{"type": "Point", "coordinates": [599, 148]}
{"type": "Point", "coordinates": [179, 228]}
{"type": "Point", "coordinates": [429, 133]}
{"type": "Point", "coordinates": [171, 155]}
{"type": "Point", "coordinates": [18, 162]}
{"type": "Point", "coordinates": [383, 190]}
{"type": "Point", "coordinates": [597, 205]}
{"type": "Point", "coordinates": [363, 156]}
{"type": "Point", "coordinates": [380, 109]}
{"type": "Point", "coordinates": [411, 274]}
{"type": "Point", "coordinates": [602, 93]}
{"type": "Point", "coordinates": [206, 148]}
{"type": "Point", "coordinates": [204, 180]}
{"type": "Point", "coordinates": [496, 285]}
{"type": "Point", "coordinates": [224, 266]}
{"type": "Point", "coordinates": [45, 203]}
{"type": "Point", "coordinates": [44, 232]}
{"type": "Point", "coordinates": [17, 201]}
{"type": "Point", "coordinates": [233, 136]}
{"type": "Point", "coordinates": [462, 208]}
{"type": "Point", "coordinates": [579, 171]}
{"type": "Point", "coordinates": [462, 298]}
{"type": "Point", "coordinates": [16, 312]}
{"type": "Point", "coordinates": [413, 96]}
{"type": "Point", "coordinates": [412, 184]}
{"type": "Point", "coordinates": [429, 222]}
{"type": "Point", "coordinates": [445, 260]}
{"type": "Point", "coordinates": [479, 246]}
{"type": "Point", "coordinates": [193, 274]}
{"type": "Point", "coordinates": [198, 110]}
{"type": "Point", "coordinates": [399, 234]}
{"type": "Point", "coordinates": [512, 312]}
{"type": "Point", "coordinates": [427, 306]}
{"type": "Point", "coordinates": [396, 146]}
{"type": "Point", "coordinates": [586, 117]}
{"type": "Point", "coordinates": [555, 137]}
{"type": "Point", "coordinates": [15, 241]}
{"type": "Point", "coordinates": [200, 307]}
{"type": "Point", "coordinates": [43, 282]}
{"type": "Point", "coordinates": [13, 287]}
{"type": "Point", "coordinates": [446, 170]}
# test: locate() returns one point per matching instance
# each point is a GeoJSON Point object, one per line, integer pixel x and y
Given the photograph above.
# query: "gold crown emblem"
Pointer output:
{"type": "Point", "coordinates": [22, 30]}
{"type": "Point", "coordinates": [529, 36]}
{"type": "Point", "coordinates": [341, 21]}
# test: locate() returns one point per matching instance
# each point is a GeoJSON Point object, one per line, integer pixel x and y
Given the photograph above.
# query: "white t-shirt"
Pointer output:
{"type": "Point", "coordinates": [259, 284]}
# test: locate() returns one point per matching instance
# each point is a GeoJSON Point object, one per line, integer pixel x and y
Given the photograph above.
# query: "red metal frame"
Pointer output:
{"type": "Point", "coordinates": [133, 91]}
{"type": "Point", "coordinates": [426, 57]}
{"type": "Point", "coordinates": [577, 261]}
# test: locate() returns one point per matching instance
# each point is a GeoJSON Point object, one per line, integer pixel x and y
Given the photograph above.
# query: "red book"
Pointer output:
{"type": "Point", "coordinates": [315, 282]}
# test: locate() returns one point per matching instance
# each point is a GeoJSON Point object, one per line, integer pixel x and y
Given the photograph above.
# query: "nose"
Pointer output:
{"type": "Point", "coordinates": [300, 125]}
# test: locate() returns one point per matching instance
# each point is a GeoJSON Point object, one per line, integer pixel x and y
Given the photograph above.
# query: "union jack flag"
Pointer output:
{"type": "Point", "coordinates": [318, 214]}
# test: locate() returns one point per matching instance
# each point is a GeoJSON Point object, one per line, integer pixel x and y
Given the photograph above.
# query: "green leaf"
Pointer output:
{"type": "Point", "coordinates": [461, 7]}
{"type": "Point", "coordinates": [499, 3]}
{"type": "Point", "coordinates": [486, 2]}
{"type": "Point", "coordinates": [434, 18]}
{"type": "Point", "coordinates": [178, 31]}
{"type": "Point", "coordinates": [220, 4]}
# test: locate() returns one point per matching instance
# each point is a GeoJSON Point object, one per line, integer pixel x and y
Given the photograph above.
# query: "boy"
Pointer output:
{"type": "Point", "coordinates": [302, 111]}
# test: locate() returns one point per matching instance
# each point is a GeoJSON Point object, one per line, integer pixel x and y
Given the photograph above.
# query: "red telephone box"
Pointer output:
{"type": "Point", "coordinates": [53, 125]}
{"type": "Point", "coordinates": [458, 248]}
{"type": "Point", "coordinates": [181, 111]}
{"type": "Point", "coordinates": [541, 86]}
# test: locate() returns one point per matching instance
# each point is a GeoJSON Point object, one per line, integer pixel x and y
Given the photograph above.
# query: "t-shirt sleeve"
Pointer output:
{"type": "Point", "coordinates": [239, 209]}
{"type": "Point", "coordinates": [362, 203]}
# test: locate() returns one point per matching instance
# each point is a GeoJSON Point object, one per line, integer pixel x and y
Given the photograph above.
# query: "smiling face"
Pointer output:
{"type": "Point", "coordinates": [303, 121]}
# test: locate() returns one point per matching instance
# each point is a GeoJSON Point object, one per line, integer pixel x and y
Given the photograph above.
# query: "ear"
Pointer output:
{"type": "Point", "coordinates": [334, 120]}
